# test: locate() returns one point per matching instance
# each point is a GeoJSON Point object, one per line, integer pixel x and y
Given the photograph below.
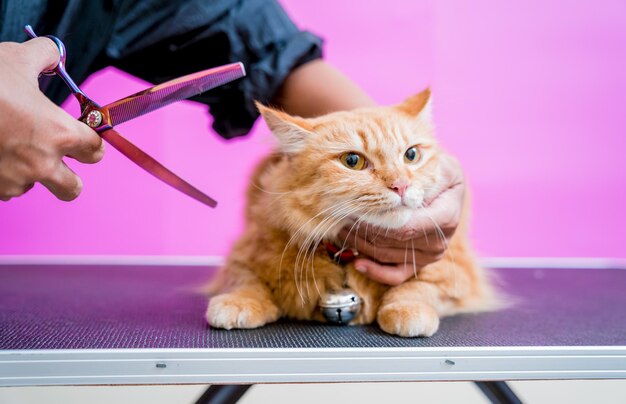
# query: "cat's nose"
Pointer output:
{"type": "Point", "coordinates": [399, 187]}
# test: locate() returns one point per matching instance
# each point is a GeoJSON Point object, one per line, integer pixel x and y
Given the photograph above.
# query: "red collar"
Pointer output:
{"type": "Point", "coordinates": [340, 256]}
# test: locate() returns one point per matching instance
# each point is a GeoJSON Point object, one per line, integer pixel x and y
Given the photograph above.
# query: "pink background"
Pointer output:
{"type": "Point", "coordinates": [530, 97]}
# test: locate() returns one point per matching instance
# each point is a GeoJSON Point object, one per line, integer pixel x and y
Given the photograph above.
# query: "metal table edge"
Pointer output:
{"type": "Point", "coordinates": [253, 366]}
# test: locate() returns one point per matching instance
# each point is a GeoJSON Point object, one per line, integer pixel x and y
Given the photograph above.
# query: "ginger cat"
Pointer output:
{"type": "Point", "coordinates": [369, 166]}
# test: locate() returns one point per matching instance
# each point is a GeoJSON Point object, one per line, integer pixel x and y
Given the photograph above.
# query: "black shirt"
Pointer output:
{"type": "Point", "coordinates": [158, 40]}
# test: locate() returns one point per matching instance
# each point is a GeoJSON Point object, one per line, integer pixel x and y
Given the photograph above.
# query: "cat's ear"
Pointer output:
{"type": "Point", "coordinates": [291, 131]}
{"type": "Point", "coordinates": [418, 106]}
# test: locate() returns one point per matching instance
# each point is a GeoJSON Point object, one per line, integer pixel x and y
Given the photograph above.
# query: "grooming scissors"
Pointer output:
{"type": "Point", "coordinates": [103, 119]}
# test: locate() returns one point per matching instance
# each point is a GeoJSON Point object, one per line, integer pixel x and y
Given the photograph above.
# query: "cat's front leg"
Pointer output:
{"type": "Point", "coordinates": [371, 294]}
{"type": "Point", "coordinates": [408, 310]}
{"type": "Point", "coordinates": [247, 306]}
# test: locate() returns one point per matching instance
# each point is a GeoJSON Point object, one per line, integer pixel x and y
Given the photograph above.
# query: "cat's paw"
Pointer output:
{"type": "Point", "coordinates": [232, 311]}
{"type": "Point", "coordinates": [408, 319]}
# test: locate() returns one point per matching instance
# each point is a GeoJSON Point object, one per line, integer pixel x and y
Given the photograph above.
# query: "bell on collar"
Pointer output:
{"type": "Point", "coordinates": [341, 306]}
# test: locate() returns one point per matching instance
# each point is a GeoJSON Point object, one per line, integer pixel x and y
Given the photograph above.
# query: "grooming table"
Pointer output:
{"type": "Point", "coordinates": [90, 325]}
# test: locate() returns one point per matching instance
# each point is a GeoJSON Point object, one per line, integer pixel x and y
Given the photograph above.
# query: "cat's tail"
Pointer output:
{"type": "Point", "coordinates": [491, 296]}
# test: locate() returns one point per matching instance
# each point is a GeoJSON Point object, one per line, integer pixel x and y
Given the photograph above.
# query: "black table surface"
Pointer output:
{"type": "Point", "coordinates": [117, 307]}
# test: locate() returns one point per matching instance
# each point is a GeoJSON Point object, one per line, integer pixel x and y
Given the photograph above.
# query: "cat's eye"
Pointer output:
{"type": "Point", "coordinates": [353, 161]}
{"type": "Point", "coordinates": [412, 155]}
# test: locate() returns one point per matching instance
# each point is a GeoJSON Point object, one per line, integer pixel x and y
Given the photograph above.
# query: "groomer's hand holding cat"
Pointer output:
{"type": "Point", "coordinates": [398, 253]}
{"type": "Point", "coordinates": [35, 134]}
{"type": "Point", "coordinates": [317, 88]}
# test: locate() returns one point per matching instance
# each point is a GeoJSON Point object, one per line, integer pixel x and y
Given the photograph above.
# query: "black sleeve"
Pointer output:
{"type": "Point", "coordinates": [158, 40]}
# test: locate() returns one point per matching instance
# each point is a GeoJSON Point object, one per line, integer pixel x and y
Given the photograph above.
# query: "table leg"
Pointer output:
{"type": "Point", "coordinates": [498, 392]}
{"type": "Point", "coordinates": [223, 394]}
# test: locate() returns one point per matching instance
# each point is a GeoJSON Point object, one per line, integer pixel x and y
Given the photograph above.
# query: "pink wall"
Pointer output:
{"type": "Point", "coordinates": [531, 98]}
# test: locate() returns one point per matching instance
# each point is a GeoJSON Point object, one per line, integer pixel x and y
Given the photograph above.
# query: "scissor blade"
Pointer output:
{"type": "Point", "coordinates": [174, 90]}
{"type": "Point", "coordinates": [143, 160]}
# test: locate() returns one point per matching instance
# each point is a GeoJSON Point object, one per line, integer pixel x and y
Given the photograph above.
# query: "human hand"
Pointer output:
{"type": "Point", "coordinates": [35, 134]}
{"type": "Point", "coordinates": [397, 254]}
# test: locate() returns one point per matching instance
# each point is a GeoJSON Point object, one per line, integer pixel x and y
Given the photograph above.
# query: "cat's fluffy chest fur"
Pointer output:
{"type": "Point", "coordinates": [306, 192]}
{"type": "Point", "coordinates": [295, 276]}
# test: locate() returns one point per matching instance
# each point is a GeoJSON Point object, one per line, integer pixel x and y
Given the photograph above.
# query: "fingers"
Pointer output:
{"type": "Point", "coordinates": [425, 238]}
{"type": "Point", "coordinates": [14, 191]}
{"type": "Point", "coordinates": [441, 212]}
{"type": "Point", "coordinates": [451, 175]}
{"type": "Point", "coordinates": [382, 254]}
{"type": "Point", "coordinates": [406, 253]}
{"type": "Point", "coordinates": [64, 136]}
{"type": "Point", "coordinates": [442, 209]}
{"type": "Point", "coordinates": [388, 274]}
{"type": "Point", "coordinates": [68, 136]}
{"type": "Point", "coordinates": [35, 134]}
{"type": "Point", "coordinates": [442, 215]}
{"type": "Point", "coordinates": [54, 174]}
{"type": "Point", "coordinates": [432, 243]}
{"type": "Point", "coordinates": [427, 227]}
{"type": "Point", "coordinates": [63, 183]}
{"type": "Point", "coordinates": [82, 143]}
{"type": "Point", "coordinates": [40, 54]}
{"type": "Point", "coordinates": [431, 239]}
{"type": "Point", "coordinates": [425, 249]}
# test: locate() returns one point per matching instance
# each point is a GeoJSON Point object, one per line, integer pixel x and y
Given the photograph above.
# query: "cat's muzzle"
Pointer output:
{"type": "Point", "coordinates": [341, 306]}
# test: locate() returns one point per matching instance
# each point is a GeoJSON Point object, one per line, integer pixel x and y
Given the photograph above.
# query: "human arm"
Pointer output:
{"type": "Point", "coordinates": [317, 88]}
{"type": "Point", "coordinates": [35, 134]}
{"type": "Point", "coordinates": [284, 68]}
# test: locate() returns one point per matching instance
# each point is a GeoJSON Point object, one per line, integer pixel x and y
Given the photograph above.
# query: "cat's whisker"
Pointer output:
{"type": "Point", "coordinates": [414, 264]}
{"type": "Point", "coordinates": [312, 239]}
{"type": "Point", "coordinates": [313, 189]}
{"type": "Point", "coordinates": [305, 246]}
{"type": "Point", "coordinates": [314, 249]}
{"type": "Point", "coordinates": [320, 239]}
{"type": "Point", "coordinates": [346, 215]}
{"type": "Point", "coordinates": [358, 227]}
{"type": "Point", "coordinates": [340, 183]}
{"type": "Point", "coordinates": [296, 232]}
{"type": "Point", "coordinates": [343, 246]}
{"type": "Point", "coordinates": [293, 238]}
{"type": "Point", "coordinates": [361, 220]}
{"type": "Point", "coordinates": [406, 255]}
{"type": "Point", "coordinates": [269, 192]}
{"type": "Point", "coordinates": [421, 206]}
{"type": "Point", "coordinates": [306, 253]}
{"type": "Point", "coordinates": [439, 232]}
{"type": "Point", "coordinates": [303, 250]}
{"type": "Point", "coordinates": [425, 235]}
{"type": "Point", "coordinates": [367, 225]}
{"type": "Point", "coordinates": [358, 222]}
{"type": "Point", "coordinates": [377, 234]}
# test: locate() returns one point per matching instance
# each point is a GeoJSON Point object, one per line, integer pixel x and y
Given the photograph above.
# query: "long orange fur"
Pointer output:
{"type": "Point", "coordinates": [302, 195]}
